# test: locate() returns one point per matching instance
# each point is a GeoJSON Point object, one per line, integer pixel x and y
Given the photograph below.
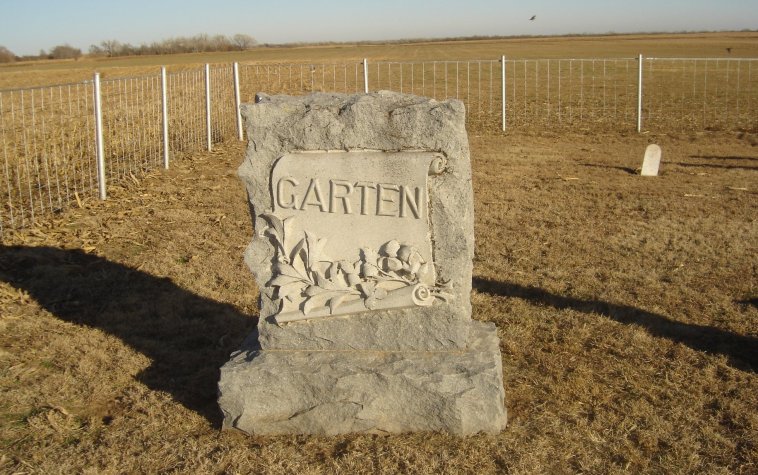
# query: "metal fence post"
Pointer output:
{"type": "Point", "coordinates": [164, 107]}
{"type": "Point", "coordinates": [365, 75]}
{"type": "Point", "coordinates": [208, 106]}
{"type": "Point", "coordinates": [99, 148]}
{"type": "Point", "coordinates": [639, 96]}
{"type": "Point", "coordinates": [237, 101]}
{"type": "Point", "coordinates": [502, 66]}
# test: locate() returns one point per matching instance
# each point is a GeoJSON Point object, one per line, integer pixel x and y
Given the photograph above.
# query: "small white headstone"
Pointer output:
{"type": "Point", "coordinates": [652, 160]}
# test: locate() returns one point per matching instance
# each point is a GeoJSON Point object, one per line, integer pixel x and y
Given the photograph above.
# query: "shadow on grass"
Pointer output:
{"type": "Point", "coordinates": [742, 351]}
{"type": "Point", "coordinates": [725, 157]}
{"type": "Point", "coordinates": [186, 336]}
{"type": "Point", "coordinates": [628, 170]}
{"type": "Point", "coordinates": [713, 165]}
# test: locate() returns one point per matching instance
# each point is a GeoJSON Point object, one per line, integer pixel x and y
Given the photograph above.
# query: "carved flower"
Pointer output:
{"type": "Point", "coordinates": [369, 258]}
{"type": "Point", "coordinates": [350, 272]}
{"type": "Point", "coordinates": [404, 253]}
{"type": "Point", "coordinates": [390, 248]}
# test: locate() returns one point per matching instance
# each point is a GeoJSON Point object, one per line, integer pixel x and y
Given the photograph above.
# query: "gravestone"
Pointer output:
{"type": "Point", "coordinates": [362, 251]}
{"type": "Point", "coordinates": [652, 160]}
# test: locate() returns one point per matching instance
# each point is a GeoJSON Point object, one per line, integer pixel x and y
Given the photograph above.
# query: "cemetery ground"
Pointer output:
{"type": "Point", "coordinates": [626, 307]}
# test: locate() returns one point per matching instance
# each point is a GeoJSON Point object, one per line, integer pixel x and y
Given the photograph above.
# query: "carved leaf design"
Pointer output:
{"type": "Point", "coordinates": [274, 235]}
{"type": "Point", "coordinates": [286, 269]}
{"type": "Point", "coordinates": [366, 288]}
{"type": "Point", "coordinates": [336, 302]}
{"type": "Point", "coordinates": [313, 290]}
{"type": "Point", "coordinates": [347, 267]}
{"type": "Point", "coordinates": [319, 300]}
{"type": "Point", "coordinates": [304, 275]}
{"type": "Point", "coordinates": [282, 279]}
{"type": "Point", "coordinates": [315, 248]}
{"type": "Point", "coordinates": [275, 223]}
{"type": "Point", "coordinates": [325, 283]}
{"type": "Point", "coordinates": [353, 279]}
{"type": "Point", "coordinates": [290, 290]}
{"type": "Point", "coordinates": [294, 254]}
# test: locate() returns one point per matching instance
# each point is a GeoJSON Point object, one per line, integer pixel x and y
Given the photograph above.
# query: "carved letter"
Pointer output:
{"type": "Point", "coordinates": [333, 196]}
{"type": "Point", "coordinates": [280, 193]}
{"type": "Point", "coordinates": [363, 185]}
{"type": "Point", "coordinates": [382, 199]}
{"type": "Point", "coordinates": [413, 202]}
{"type": "Point", "coordinates": [314, 189]}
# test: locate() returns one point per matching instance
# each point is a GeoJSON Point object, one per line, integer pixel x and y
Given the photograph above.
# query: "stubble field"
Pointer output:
{"type": "Point", "coordinates": [626, 308]}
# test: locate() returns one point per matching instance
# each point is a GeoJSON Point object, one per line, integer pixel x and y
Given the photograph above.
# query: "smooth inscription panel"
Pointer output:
{"type": "Point", "coordinates": [351, 232]}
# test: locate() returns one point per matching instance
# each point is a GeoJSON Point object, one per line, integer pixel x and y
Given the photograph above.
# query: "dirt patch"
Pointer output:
{"type": "Point", "coordinates": [626, 307]}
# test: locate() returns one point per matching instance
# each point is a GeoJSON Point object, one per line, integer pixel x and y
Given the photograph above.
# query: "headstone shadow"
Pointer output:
{"type": "Point", "coordinates": [742, 351]}
{"type": "Point", "coordinates": [187, 337]}
{"type": "Point", "coordinates": [713, 165]}
{"type": "Point", "coordinates": [628, 170]}
{"type": "Point", "coordinates": [724, 157]}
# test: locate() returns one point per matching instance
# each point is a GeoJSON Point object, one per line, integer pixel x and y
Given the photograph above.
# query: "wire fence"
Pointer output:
{"type": "Point", "coordinates": [62, 144]}
{"type": "Point", "coordinates": [700, 93]}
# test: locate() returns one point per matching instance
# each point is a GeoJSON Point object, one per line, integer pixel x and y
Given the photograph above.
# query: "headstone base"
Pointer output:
{"type": "Point", "coordinates": [336, 392]}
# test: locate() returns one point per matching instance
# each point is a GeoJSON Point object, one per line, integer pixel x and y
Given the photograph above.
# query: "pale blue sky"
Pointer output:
{"type": "Point", "coordinates": [26, 26]}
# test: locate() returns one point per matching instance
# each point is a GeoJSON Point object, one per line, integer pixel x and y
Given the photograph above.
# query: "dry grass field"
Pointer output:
{"type": "Point", "coordinates": [709, 45]}
{"type": "Point", "coordinates": [627, 306]}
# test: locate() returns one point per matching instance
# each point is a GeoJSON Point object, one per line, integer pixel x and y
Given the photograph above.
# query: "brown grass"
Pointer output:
{"type": "Point", "coordinates": [743, 44]}
{"type": "Point", "coordinates": [626, 308]}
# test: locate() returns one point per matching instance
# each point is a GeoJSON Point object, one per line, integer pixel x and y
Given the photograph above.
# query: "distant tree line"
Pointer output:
{"type": "Point", "coordinates": [201, 43]}
{"type": "Point", "coordinates": [194, 44]}
{"type": "Point", "coordinates": [64, 51]}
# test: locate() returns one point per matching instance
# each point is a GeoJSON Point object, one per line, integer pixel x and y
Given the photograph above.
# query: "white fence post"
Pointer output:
{"type": "Point", "coordinates": [237, 101]}
{"type": "Point", "coordinates": [208, 106]}
{"type": "Point", "coordinates": [502, 66]}
{"type": "Point", "coordinates": [365, 75]}
{"type": "Point", "coordinates": [99, 148]}
{"type": "Point", "coordinates": [164, 106]}
{"type": "Point", "coordinates": [639, 97]}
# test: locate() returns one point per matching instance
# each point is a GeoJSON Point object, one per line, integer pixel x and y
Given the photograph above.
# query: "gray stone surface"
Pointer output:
{"type": "Point", "coordinates": [362, 250]}
{"type": "Point", "coordinates": [383, 121]}
{"type": "Point", "coordinates": [337, 392]}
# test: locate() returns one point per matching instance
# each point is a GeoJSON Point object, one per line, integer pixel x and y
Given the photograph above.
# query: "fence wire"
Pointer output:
{"type": "Point", "coordinates": [700, 93]}
{"type": "Point", "coordinates": [300, 78]}
{"type": "Point", "coordinates": [47, 134]}
{"type": "Point", "coordinates": [186, 111]}
{"type": "Point", "coordinates": [47, 147]}
{"type": "Point", "coordinates": [132, 126]}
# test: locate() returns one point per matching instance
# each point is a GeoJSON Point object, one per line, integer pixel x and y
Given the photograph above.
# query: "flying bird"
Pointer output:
{"type": "Point", "coordinates": [534, 17]}
{"type": "Point", "coordinates": [729, 50]}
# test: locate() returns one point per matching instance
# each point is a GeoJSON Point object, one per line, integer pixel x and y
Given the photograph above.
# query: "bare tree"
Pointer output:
{"type": "Point", "coordinates": [95, 50]}
{"type": "Point", "coordinates": [243, 41]}
{"type": "Point", "coordinates": [65, 51]}
{"type": "Point", "coordinates": [6, 56]}
{"type": "Point", "coordinates": [111, 47]}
